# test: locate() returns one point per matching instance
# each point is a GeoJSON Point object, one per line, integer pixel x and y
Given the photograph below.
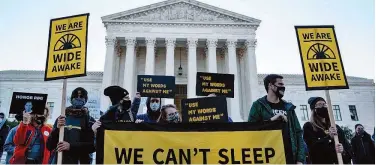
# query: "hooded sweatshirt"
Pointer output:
{"type": "Point", "coordinates": [150, 116]}
{"type": "Point", "coordinates": [363, 148]}
{"type": "Point", "coordinates": [261, 112]}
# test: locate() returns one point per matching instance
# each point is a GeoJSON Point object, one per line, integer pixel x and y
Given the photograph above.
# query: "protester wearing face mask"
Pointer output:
{"type": "Point", "coordinates": [4, 130]}
{"type": "Point", "coordinates": [78, 141]}
{"type": "Point", "coordinates": [363, 146]}
{"type": "Point", "coordinates": [271, 108]}
{"type": "Point", "coordinates": [9, 145]}
{"type": "Point", "coordinates": [122, 109]}
{"type": "Point", "coordinates": [153, 106]}
{"type": "Point", "coordinates": [319, 136]}
{"type": "Point", "coordinates": [30, 140]}
{"type": "Point", "coordinates": [169, 114]}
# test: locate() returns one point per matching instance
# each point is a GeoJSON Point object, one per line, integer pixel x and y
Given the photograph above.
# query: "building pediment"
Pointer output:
{"type": "Point", "coordinates": [180, 11]}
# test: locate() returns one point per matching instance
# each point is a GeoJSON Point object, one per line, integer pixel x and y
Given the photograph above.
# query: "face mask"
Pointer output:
{"type": "Point", "coordinates": [154, 106]}
{"type": "Point", "coordinates": [280, 91]}
{"type": "Point", "coordinates": [361, 131]}
{"type": "Point", "coordinates": [40, 120]}
{"type": "Point", "coordinates": [1, 120]}
{"type": "Point", "coordinates": [173, 118]}
{"type": "Point", "coordinates": [322, 112]}
{"type": "Point", "coordinates": [78, 102]}
{"type": "Point", "coordinates": [126, 104]}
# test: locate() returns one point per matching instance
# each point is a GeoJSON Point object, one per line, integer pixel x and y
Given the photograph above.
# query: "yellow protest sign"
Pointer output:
{"type": "Point", "coordinates": [190, 144]}
{"type": "Point", "coordinates": [321, 58]}
{"type": "Point", "coordinates": [67, 46]}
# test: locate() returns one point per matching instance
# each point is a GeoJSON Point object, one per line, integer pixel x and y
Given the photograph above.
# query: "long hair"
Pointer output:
{"type": "Point", "coordinates": [317, 123]}
{"type": "Point", "coordinates": [163, 116]}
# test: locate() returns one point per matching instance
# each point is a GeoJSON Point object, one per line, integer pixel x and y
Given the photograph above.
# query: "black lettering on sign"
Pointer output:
{"type": "Point", "coordinates": [171, 157]}
{"type": "Point", "coordinates": [214, 83]}
{"type": "Point", "coordinates": [204, 154]}
{"type": "Point", "coordinates": [326, 77]}
{"type": "Point", "coordinates": [246, 155]}
{"type": "Point", "coordinates": [323, 67]}
{"type": "Point", "coordinates": [207, 109]}
{"type": "Point", "coordinates": [123, 155]}
{"type": "Point", "coordinates": [233, 159]}
{"type": "Point", "coordinates": [156, 86]}
{"type": "Point", "coordinates": [222, 153]}
{"type": "Point", "coordinates": [186, 156]}
{"type": "Point", "coordinates": [156, 161]}
{"type": "Point", "coordinates": [269, 153]}
{"type": "Point", "coordinates": [257, 155]}
{"type": "Point", "coordinates": [66, 67]}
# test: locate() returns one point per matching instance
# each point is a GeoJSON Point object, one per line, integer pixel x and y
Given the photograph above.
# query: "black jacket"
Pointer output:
{"type": "Point", "coordinates": [79, 135]}
{"type": "Point", "coordinates": [113, 114]}
{"type": "Point", "coordinates": [321, 146]}
{"type": "Point", "coordinates": [363, 148]}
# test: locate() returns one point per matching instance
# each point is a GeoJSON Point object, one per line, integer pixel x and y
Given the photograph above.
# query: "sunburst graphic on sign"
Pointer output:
{"type": "Point", "coordinates": [68, 41]}
{"type": "Point", "coordinates": [320, 51]}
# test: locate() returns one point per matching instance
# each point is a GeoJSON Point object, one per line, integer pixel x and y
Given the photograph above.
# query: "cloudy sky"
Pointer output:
{"type": "Point", "coordinates": [24, 30]}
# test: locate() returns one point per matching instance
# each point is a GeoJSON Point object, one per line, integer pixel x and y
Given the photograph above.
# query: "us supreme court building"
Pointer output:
{"type": "Point", "coordinates": [179, 38]}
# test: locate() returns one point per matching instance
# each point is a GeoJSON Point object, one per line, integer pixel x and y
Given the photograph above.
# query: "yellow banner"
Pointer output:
{"type": "Point", "coordinates": [218, 147]}
{"type": "Point", "coordinates": [321, 58]}
{"type": "Point", "coordinates": [67, 47]}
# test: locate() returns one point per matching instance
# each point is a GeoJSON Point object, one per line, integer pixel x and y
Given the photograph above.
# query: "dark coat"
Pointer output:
{"type": "Point", "coordinates": [363, 148]}
{"type": "Point", "coordinates": [321, 146]}
{"type": "Point", "coordinates": [113, 115]}
{"type": "Point", "coordinates": [80, 137]}
{"type": "Point", "coordinates": [4, 130]}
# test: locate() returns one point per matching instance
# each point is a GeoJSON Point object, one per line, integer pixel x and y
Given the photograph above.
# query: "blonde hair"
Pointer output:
{"type": "Point", "coordinates": [317, 123]}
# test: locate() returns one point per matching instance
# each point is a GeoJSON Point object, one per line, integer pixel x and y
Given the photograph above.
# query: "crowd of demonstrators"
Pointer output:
{"type": "Point", "coordinates": [30, 140]}
{"type": "Point", "coordinates": [271, 108]}
{"type": "Point", "coordinates": [33, 142]}
{"type": "Point", "coordinates": [319, 136]}
{"type": "Point", "coordinates": [362, 146]}
{"type": "Point", "coordinates": [78, 141]}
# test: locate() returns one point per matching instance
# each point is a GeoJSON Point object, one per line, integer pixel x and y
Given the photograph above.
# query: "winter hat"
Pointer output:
{"type": "Point", "coordinates": [115, 93]}
{"type": "Point", "coordinates": [75, 94]}
{"type": "Point", "coordinates": [356, 125]}
{"type": "Point", "coordinates": [313, 100]}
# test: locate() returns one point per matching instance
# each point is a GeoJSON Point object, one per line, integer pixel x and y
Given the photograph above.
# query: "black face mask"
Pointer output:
{"type": "Point", "coordinates": [126, 104]}
{"type": "Point", "coordinates": [322, 112]}
{"type": "Point", "coordinates": [40, 120]}
{"type": "Point", "coordinates": [279, 90]}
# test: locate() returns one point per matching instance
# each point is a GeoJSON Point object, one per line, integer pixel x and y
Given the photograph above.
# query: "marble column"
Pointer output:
{"type": "Point", "coordinates": [170, 59]}
{"type": "Point", "coordinates": [129, 68]}
{"type": "Point", "coordinates": [150, 56]}
{"type": "Point", "coordinates": [233, 69]}
{"type": "Point", "coordinates": [108, 70]}
{"type": "Point", "coordinates": [252, 73]}
{"type": "Point", "coordinates": [211, 57]}
{"type": "Point", "coordinates": [192, 67]}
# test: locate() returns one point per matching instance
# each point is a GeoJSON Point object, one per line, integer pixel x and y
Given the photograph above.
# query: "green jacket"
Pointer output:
{"type": "Point", "coordinates": [261, 111]}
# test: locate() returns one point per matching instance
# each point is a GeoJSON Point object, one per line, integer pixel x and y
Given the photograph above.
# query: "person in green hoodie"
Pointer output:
{"type": "Point", "coordinates": [272, 108]}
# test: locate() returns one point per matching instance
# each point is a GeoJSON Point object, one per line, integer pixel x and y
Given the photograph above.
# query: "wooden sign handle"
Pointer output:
{"type": "Point", "coordinates": [61, 130]}
{"type": "Point", "coordinates": [333, 123]}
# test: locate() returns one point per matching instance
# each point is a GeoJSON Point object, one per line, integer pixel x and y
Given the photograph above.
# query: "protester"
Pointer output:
{"type": "Point", "coordinates": [30, 140]}
{"type": "Point", "coordinates": [9, 145]}
{"type": "Point", "coordinates": [4, 130]}
{"type": "Point", "coordinates": [272, 108]}
{"type": "Point", "coordinates": [362, 146]}
{"type": "Point", "coordinates": [319, 136]}
{"type": "Point", "coordinates": [153, 106]}
{"type": "Point", "coordinates": [122, 109]}
{"type": "Point", "coordinates": [78, 137]}
{"type": "Point", "coordinates": [169, 114]}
